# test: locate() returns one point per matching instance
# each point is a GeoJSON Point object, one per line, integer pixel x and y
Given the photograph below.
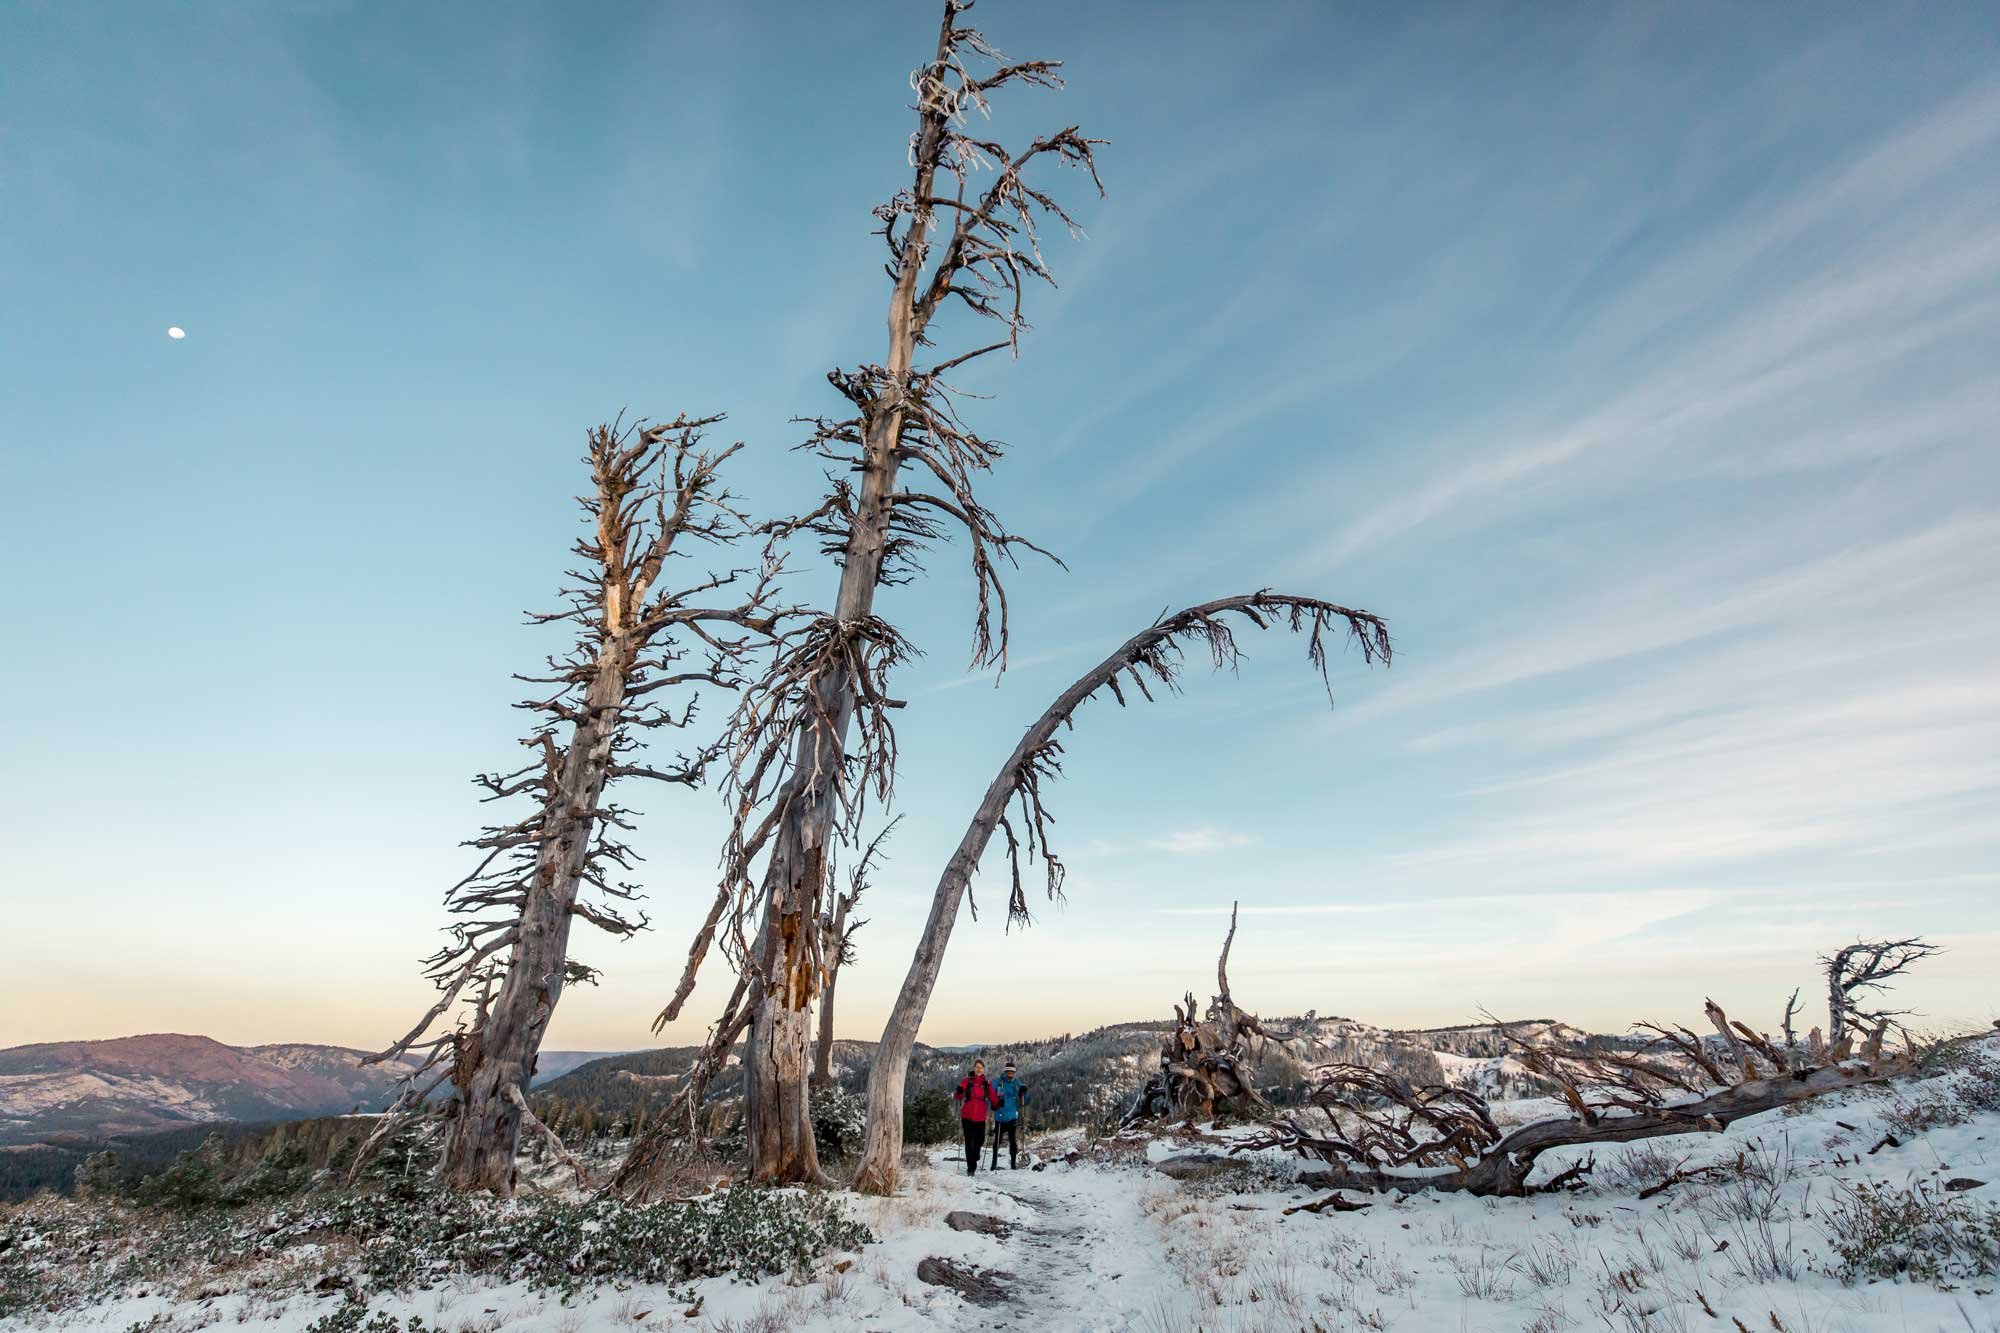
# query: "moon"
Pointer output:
{"type": "Point", "coordinates": [177, 333]}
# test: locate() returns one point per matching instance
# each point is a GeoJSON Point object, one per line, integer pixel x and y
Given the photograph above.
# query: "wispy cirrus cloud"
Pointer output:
{"type": "Point", "coordinates": [1199, 839]}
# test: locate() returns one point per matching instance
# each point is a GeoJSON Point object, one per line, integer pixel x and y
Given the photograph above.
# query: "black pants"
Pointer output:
{"type": "Point", "coordinates": [975, 1138]}
{"type": "Point", "coordinates": [1006, 1129]}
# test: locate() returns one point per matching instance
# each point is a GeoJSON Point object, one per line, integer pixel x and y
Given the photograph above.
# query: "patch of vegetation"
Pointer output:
{"type": "Point", "coordinates": [1963, 1080]}
{"type": "Point", "coordinates": [838, 1117]}
{"type": "Point", "coordinates": [1889, 1231]}
{"type": "Point", "coordinates": [56, 1252]}
{"type": "Point", "coordinates": [1636, 1168]}
{"type": "Point", "coordinates": [928, 1118]}
{"type": "Point", "coordinates": [1911, 1116]}
{"type": "Point", "coordinates": [356, 1319]}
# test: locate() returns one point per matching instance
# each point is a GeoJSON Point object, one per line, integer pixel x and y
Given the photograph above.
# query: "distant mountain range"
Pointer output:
{"type": "Point", "coordinates": [1086, 1077]}
{"type": "Point", "coordinates": [73, 1091]}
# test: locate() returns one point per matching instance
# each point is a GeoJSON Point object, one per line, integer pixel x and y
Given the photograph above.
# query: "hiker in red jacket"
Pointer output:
{"type": "Point", "coordinates": [977, 1099]}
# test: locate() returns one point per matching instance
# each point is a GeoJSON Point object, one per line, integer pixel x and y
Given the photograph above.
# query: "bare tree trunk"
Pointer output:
{"type": "Point", "coordinates": [1866, 965]}
{"type": "Point", "coordinates": [839, 933]}
{"type": "Point", "coordinates": [822, 1075]}
{"type": "Point", "coordinates": [1504, 1168]}
{"type": "Point", "coordinates": [800, 728]}
{"type": "Point", "coordinates": [1152, 654]}
{"type": "Point", "coordinates": [509, 954]}
{"type": "Point", "coordinates": [495, 1063]}
{"type": "Point", "coordinates": [778, 1062]}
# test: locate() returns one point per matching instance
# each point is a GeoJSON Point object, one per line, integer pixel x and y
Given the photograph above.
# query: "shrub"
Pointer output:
{"type": "Point", "coordinates": [192, 1180]}
{"type": "Point", "coordinates": [1886, 1231]}
{"type": "Point", "coordinates": [928, 1118]}
{"type": "Point", "coordinates": [1911, 1116]}
{"type": "Point", "coordinates": [560, 1244]}
{"type": "Point", "coordinates": [838, 1117]}
{"type": "Point", "coordinates": [1638, 1167]}
{"type": "Point", "coordinates": [98, 1176]}
{"type": "Point", "coordinates": [206, 1177]}
{"type": "Point", "coordinates": [355, 1319]}
{"type": "Point", "coordinates": [57, 1252]}
{"type": "Point", "coordinates": [1979, 1084]}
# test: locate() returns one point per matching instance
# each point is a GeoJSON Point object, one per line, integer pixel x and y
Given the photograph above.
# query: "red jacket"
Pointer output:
{"type": "Point", "coordinates": [976, 1098]}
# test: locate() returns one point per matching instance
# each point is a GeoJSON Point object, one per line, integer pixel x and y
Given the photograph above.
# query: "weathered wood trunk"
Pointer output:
{"type": "Point", "coordinates": [507, 957]}
{"type": "Point", "coordinates": [492, 1070]}
{"type": "Point", "coordinates": [822, 1073]}
{"type": "Point", "coordinates": [777, 1069]}
{"type": "Point", "coordinates": [1505, 1168]}
{"type": "Point", "coordinates": [778, 1057]}
{"type": "Point", "coordinates": [882, 1139]}
{"type": "Point", "coordinates": [1148, 651]}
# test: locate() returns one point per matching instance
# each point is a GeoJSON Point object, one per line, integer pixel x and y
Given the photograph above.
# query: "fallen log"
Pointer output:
{"type": "Point", "coordinates": [1331, 1203]}
{"type": "Point", "coordinates": [1397, 1137]}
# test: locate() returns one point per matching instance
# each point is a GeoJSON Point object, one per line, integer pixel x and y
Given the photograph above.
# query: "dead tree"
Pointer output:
{"type": "Point", "coordinates": [1154, 655]}
{"type": "Point", "coordinates": [680, 1133]}
{"type": "Point", "coordinates": [655, 491]}
{"type": "Point", "coordinates": [1379, 1132]}
{"type": "Point", "coordinates": [1208, 1064]}
{"type": "Point", "coordinates": [1867, 965]}
{"type": "Point", "coordinates": [838, 932]}
{"type": "Point", "coordinates": [814, 739]}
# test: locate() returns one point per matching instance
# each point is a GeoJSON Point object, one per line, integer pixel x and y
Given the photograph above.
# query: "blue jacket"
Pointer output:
{"type": "Point", "coordinates": [1013, 1096]}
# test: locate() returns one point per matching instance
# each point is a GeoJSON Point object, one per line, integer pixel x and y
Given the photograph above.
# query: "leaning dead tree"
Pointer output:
{"type": "Point", "coordinates": [647, 640]}
{"type": "Point", "coordinates": [837, 929]}
{"type": "Point", "coordinates": [1149, 660]}
{"type": "Point", "coordinates": [1375, 1131]}
{"type": "Point", "coordinates": [1863, 967]}
{"type": "Point", "coordinates": [814, 737]}
{"type": "Point", "coordinates": [1208, 1063]}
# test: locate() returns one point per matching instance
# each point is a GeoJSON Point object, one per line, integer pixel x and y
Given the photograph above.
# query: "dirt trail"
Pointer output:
{"type": "Point", "coordinates": [1085, 1258]}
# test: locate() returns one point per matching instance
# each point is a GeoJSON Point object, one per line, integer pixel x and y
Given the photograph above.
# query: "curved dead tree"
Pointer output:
{"type": "Point", "coordinates": [814, 738]}
{"type": "Point", "coordinates": [1861, 967]}
{"type": "Point", "coordinates": [1208, 1064]}
{"type": "Point", "coordinates": [647, 639]}
{"type": "Point", "coordinates": [1375, 1131]}
{"type": "Point", "coordinates": [1148, 660]}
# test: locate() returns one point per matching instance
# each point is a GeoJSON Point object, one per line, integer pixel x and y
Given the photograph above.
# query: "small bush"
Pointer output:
{"type": "Point", "coordinates": [1911, 1116]}
{"type": "Point", "coordinates": [99, 1176]}
{"type": "Point", "coordinates": [1979, 1082]}
{"type": "Point", "coordinates": [1637, 1168]}
{"type": "Point", "coordinates": [356, 1319]}
{"type": "Point", "coordinates": [55, 1253]}
{"type": "Point", "coordinates": [839, 1118]}
{"type": "Point", "coordinates": [928, 1118]}
{"type": "Point", "coordinates": [560, 1244]}
{"type": "Point", "coordinates": [1885, 1231]}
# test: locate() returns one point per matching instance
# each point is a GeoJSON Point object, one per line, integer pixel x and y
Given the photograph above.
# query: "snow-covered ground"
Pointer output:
{"type": "Point", "coordinates": [1110, 1241]}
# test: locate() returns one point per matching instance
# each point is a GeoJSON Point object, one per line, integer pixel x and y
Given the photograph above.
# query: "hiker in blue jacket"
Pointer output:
{"type": "Point", "coordinates": [1007, 1120]}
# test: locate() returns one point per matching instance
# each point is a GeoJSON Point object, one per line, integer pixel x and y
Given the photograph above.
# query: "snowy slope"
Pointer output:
{"type": "Point", "coordinates": [1103, 1239]}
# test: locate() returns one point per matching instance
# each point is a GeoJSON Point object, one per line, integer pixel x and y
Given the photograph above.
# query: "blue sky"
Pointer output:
{"type": "Point", "coordinates": [1637, 363]}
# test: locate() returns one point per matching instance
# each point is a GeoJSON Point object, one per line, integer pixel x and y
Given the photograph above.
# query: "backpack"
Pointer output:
{"type": "Point", "coordinates": [976, 1091]}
